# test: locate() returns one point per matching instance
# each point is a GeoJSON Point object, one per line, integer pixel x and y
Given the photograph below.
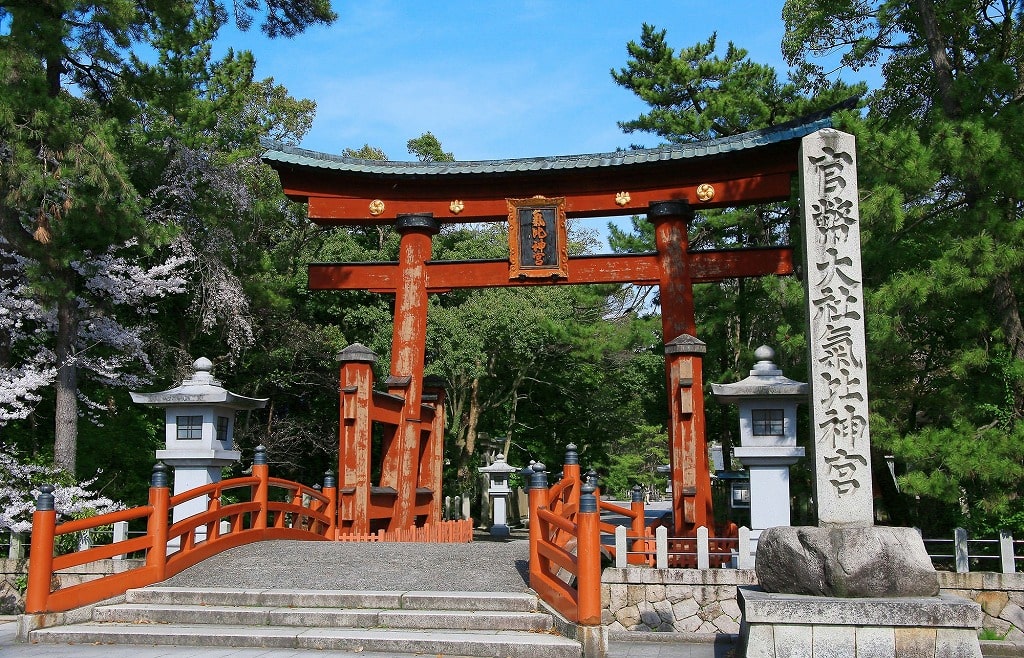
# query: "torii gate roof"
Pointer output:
{"type": "Point", "coordinates": [752, 167]}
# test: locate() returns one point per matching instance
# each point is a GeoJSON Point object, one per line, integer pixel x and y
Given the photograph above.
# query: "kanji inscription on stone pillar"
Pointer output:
{"type": "Point", "coordinates": [835, 299]}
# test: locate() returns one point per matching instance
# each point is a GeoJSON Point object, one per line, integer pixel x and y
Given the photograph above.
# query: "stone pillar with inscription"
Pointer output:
{"type": "Point", "coordinates": [845, 586]}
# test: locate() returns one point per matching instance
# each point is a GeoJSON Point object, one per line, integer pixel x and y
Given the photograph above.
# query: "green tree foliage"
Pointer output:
{"type": "Point", "coordinates": [427, 148]}
{"type": "Point", "coordinates": [636, 459]}
{"type": "Point", "coordinates": [941, 167]}
{"type": "Point", "coordinates": [697, 94]}
{"type": "Point", "coordinates": [93, 166]}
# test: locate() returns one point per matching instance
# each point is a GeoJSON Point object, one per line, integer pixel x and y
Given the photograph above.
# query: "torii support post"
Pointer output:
{"type": "Point", "coordinates": [400, 468]}
{"type": "Point", "coordinates": [432, 448]}
{"type": "Point", "coordinates": [354, 454]}
{"type": "Point", "coordinates": [691, 481]}
{"type": "Point", "coordinates": [691, 476]}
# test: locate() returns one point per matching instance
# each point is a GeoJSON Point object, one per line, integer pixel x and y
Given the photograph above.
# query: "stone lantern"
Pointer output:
{"type": "Point", "coordinates": [499, 491]}
{"type": "Point", "coordinates": [767, 403]}
{"type": "Point", "coordinates": [199, 427]}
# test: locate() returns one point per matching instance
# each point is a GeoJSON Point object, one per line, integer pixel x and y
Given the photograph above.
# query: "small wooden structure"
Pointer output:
{"type": "Point", "coordinates": [535, 196]}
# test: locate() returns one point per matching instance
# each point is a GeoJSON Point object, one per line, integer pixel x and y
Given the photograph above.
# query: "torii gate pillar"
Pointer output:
{"type": "Point", "coordinates": [691, 479]}
{"type": "Point", "coordinates": [400, 468]}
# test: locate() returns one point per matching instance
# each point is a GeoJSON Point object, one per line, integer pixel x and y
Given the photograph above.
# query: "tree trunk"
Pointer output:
{"type": "Point", "coordinates": [65, 435]}
{"type": "Point", "coordinates": [940, 60]}
{"type": "Point", "coordinates": [1008, 311]}
{"type": "Point", "coordinates": [473, 420]}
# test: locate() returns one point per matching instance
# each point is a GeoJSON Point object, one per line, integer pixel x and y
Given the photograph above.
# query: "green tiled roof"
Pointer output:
{"type": "Point", "coordinates": [277, 153]}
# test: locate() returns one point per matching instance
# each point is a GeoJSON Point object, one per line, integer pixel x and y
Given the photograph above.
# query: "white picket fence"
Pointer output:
{"type": "Point", "coordinates": [963, 551]}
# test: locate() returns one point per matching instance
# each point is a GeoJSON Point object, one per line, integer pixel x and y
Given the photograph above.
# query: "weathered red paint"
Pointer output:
{"type": "Point", "coordinates": [432, 447]}
{"type": "Point", "coordinates": [686, 413]}
{"type": "Point", "coordinates": [354, 455]}
{"type": "Point", "coordinates": [349, 211]}
{"type": "Point", "coordinates": [400, 468]}
{"type": "Point", "coordinates": [641, 269]}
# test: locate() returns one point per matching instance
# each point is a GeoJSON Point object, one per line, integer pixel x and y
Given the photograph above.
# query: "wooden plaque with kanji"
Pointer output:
{"type": "Point", "coordinates": [537, 238]}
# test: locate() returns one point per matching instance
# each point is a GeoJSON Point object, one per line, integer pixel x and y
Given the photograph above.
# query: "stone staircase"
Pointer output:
{"type": "Point", "coordinates": [450, 623]}
{"type": "Point", "coordinates": [431, 599]}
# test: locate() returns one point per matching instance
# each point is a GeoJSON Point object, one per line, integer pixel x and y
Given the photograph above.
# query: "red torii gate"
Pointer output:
{"type": "Point", "coordinates": [666, 184]}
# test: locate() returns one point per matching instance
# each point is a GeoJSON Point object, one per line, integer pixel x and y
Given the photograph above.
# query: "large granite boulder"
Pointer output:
{"type": "Point", "coordinates": [874, 561]}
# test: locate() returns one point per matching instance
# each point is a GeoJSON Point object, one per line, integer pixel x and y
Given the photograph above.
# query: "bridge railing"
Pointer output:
{"type": "Point", "coordinates": [271, 508]}
{"type": "Point", "coordinates": [565, 547]}
{"type": "Point", "coordinates": [565, 539]}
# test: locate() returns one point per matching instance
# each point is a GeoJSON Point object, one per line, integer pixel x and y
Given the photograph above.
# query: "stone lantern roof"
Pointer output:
{"type": "Point", "coordinates": [765, 381]}
{"type": "Point", "coordinates": [499, 466]}
{"type": "Point", "coordinates": [200, 389]}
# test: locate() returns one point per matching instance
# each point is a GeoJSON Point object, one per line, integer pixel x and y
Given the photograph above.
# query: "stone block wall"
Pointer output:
{"type": "Point", "coordinates": [1001, 596]}
{"type": "Point", "coordinates": [673, 600]}
{"type": "Point", "coordinates": [642, 599]}
{"type": "Point", "coordinates": [14, 572]}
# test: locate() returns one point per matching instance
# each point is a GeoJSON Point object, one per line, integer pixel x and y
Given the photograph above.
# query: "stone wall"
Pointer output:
{"type": "Point", "coordinates": [1001, 596]}
{"type": "Point", "coordinates": [673, 600]}
{"type": "Point", "coordinates": [642, 599]}
{"type": "Point", "coordinates": [14, 572]}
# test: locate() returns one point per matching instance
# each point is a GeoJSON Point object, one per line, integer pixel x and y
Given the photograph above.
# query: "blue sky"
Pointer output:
{"type": "Point", "coordinates": [490, 79]}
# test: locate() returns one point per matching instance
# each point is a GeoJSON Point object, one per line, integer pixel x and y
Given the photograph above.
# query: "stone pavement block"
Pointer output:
{"type": "Point", "coordinates": [362, 618]}
{"type": "Point", "coordinates": [194, 595]}
{"type": "Point", "coordinates": [760, 641]}
{"type": "Point", "coordinates": [329, 598]}
{"type": "Point", "coordinates": [956, 643]}
{"type": "Point", "coordinates": [876, 642]}
{"type": "Point", "coordinates": [469, 601]}
{"type": "Point", "coordinates": [834, 641]}
{"type": "Point", "coordinates": [914, 642]}
{"type": "Point", "coordinates": [793, 641]}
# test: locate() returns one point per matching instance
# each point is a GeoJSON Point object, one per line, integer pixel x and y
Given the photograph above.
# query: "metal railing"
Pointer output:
{"type": "Point", "coordinates": [963, 554]}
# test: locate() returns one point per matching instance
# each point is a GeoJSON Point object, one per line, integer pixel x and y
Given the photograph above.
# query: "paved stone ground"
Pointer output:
{"type": "Point", "coordinates": [481, 566]}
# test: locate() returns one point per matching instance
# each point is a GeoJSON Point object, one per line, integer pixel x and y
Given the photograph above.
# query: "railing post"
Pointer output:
{"type": "Point", "coordinates": [661, 546]}
{"type": "Point", "coordinates": [120, 534]}
{"type": "Point", "coordinates": [621, 556]}
{"type": "Point", "coordinates": [963, 562]}
{"type": "Point", "coordinates": [636, 504]}
{"type": "Point", "coordinates": [213, 527]}
{"type": "Point", "coordinates": [538, 499]}
{"type": "Point", "coordinates": [703, 548]}
{"type": "Point", "coordinates": [745, 556]}
{"type": "Point", "coordinates": [1007, 560]}
{"type": "Point", "coordinates": [592, 478]}
{"type": "Point", "coordinates": [157, 526]}
{"type": "Point", "coordinates": [571, 473]}
{"type": "Point", "coordinates": [16, 550]}
{"type": "Point", "coordinates": [330, 490]}
{"type": "Point", "coordinates": [40, 562]}
{"type": "Point", "coordinates": [588, 558]}
{"type": "Point", "coordinates": [262, 493]}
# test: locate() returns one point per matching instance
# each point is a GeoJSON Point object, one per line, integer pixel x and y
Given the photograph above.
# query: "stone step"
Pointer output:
{"type": "Point", "coordinates": [253, 615]}
{"type": "Point", "coordinates": [496, 644]}
{"type": "Point", "coordinates": [466, 601]}
{"type": "Point", "coordinates": [481, 624]}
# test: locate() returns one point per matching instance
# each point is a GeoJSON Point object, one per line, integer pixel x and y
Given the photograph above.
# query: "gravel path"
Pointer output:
{"type": "Point", "coordinates": [474, 567]}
